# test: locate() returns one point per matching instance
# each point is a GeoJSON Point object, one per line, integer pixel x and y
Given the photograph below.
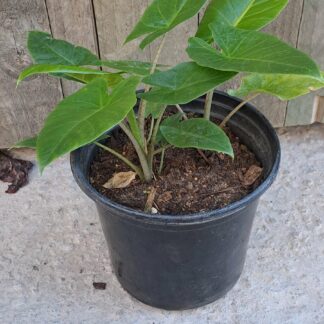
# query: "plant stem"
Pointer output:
{"type": "Point", "coordinates": [235, 110]}
{"type": "Point", "coordinates": [184, 115]}
{"type": "Point", "coordinates": [151, 130]}
{"type": "Point", "coordinates": [122, 158]}
{"type": "Point", "coordinates": [161, 161]}
{"type": "Point", "coordinates": [131, 117]}
{"type": "Point", "coordinates": [153, 139]}
{"type": "Point", "coordinates": [147, 171]}
{"type": "Point", "coordinates": [142, 107]}
{"type": "Point", "coordinates": [159, 150]}
{"type": "Point", "coordinates": [208, 103]}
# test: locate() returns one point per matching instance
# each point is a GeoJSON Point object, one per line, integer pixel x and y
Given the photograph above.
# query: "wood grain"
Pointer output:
{"type": "Point", "coordinates": [22, 110]}
{"type": "Point", "coordinates": [301, 110]}
{"type": "Point", "coordinates": [115, 19]}
{"type": "Point", "coordinates": [73, 21]}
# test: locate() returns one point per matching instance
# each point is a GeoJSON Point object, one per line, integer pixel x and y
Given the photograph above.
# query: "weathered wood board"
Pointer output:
{"type": "Point", "coordinates": [307, 110]}
{"type": "Point", "coordinates": [115, 19]}
{"type": "Point", "coordinates": [22, 110]}
{"type": "Point", "coordinates": [73, 21]}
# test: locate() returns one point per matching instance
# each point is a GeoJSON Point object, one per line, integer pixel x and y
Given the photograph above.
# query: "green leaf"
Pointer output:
{"type": "Point", "coordinates": [162, 16]}
{"type": "Point", "coordinates": [45, 69]}
{"type": "Point", "coordinates": [28, 143]}
{"type": "Point", "coordinates": [155, 109]}
{"type": "Point", "coordinates": [250, 51]}
{"type": "Point", "coordinates": [244, 14]}
{"type": "Point", "coordinates": [197, 133]}
{"type": "Point", "coordinates": [171, 121]}
{"type": "Point", "coordinates": [285, 87]}
{"type": "Point", "coordinates": [46, 50]}
{"type": "Point", "coordinates": [82, 117]}
{"type": "Point", "coordinates": [134, 67]}
{"type": "Point", "coordinates": [112, 78]}
{"type": "Point", "coordinates": [261, 13]}
{"type": "Point", "coordinates": [183, 83]}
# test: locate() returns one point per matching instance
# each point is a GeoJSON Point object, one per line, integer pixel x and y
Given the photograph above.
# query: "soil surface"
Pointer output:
{"type": "Point", "coordinates": [187, 184]}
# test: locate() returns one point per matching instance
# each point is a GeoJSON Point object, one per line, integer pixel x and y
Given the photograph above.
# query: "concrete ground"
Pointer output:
{"type": "Point", "coordinates": [53, 249]}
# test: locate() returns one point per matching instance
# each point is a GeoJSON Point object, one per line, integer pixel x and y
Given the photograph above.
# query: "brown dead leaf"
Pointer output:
{"type": "Point", "coordinates": [252, 175]}
{"type": "Point", "coordinates": [165, 197]}
{"type": "Point", "coordinates": [120, 180]}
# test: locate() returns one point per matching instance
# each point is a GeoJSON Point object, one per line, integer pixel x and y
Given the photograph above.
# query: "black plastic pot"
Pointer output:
{"type": "Point", "coordinates": [182, 262]}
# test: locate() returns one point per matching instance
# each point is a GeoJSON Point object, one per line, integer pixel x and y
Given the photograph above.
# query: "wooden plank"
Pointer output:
{"type": "Point", "coordinates": [115, 19]}
{"type": "Point", "coordinates": [73, 21]}
{"type": "Point", "coordinates": [318, 115]}
{"type": "Point", "coordinates": [301, 111]}
{"type": "Point", "coordinates": [22, 110]}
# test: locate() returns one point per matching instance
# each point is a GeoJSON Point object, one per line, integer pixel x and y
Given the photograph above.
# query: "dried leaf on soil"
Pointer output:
{"type": "Point", "coordinates": [252, 175]}
{"type": "Point", "coordinates": [120, 180]}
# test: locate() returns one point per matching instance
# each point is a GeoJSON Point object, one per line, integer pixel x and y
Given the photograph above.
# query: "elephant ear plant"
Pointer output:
{"type": "Point", "coordinates": [227, 42]}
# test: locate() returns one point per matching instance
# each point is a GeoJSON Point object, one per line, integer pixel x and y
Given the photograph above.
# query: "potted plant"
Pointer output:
{"type": "Point", "coordinates": [176, 170]}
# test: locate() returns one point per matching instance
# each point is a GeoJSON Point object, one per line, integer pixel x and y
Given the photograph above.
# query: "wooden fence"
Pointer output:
{"type": "Point", "coordinates": [102, 25]}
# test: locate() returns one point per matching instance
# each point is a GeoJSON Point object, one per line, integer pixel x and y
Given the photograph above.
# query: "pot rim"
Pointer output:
{"type": "Point", "coordinates": [183, 219]}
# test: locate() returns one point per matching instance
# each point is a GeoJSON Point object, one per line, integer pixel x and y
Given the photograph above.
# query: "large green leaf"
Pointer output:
{"type": "Point", "coordinates": [45, 69]}
{"type": "Point", "coordinates": [285, 87]}
{"type": "Point", "coordinates": [183, 83]}
{"type": "Point", "coordinates": [162, 16]}
{"type": "Point", "coordinates": [250, 51]}
{"type": "Point", "coordinates": [82, 117]}
{"type": "Point", "coordinates": [261, 13]}
{"type": "Point", "coordinates": [111, 78]}
{"type": "Point", "coordinates": [46, 50]}
{"type": "Point", "coordinates": [197, 133]}
{"type": "Point", "coordinates": [245, 14]}
{"type": "Point", "coordinates": [74, 73]}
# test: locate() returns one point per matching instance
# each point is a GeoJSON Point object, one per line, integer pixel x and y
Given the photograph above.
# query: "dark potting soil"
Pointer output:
{"type": "Point", "coordinates": [187, 184]}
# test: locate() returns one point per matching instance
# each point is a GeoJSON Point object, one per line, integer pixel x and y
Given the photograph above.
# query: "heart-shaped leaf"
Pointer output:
{"type": "Point", "coordinates": [245, 14]}
{"type": "Point", "coordinates": [183, 83]}
{"type": "Point", "coordinates": [250, 51]}
{"type": "Point", "coordinates": [285, 87]}
{"type": "Point", "coordinates": [197, 133]}
{"type": "Point", "coordinates": [162, 16]}
{"type": "Point", "coordinates": [46, 50]}
{"type": "Point", "coordinates": [82, 117]}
